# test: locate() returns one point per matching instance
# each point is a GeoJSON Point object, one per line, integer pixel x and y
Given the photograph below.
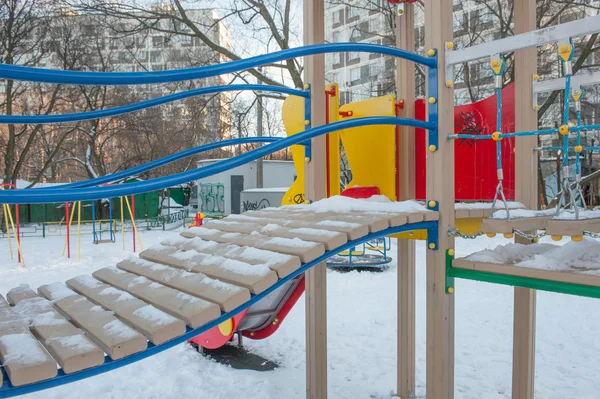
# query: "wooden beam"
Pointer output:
{"type": "Point", "coordinates": [405, 88]}
{"type": "Point", "coordinates": [315, 189]}
{"type": "Point", "coordinates": [526, 192]}
{"type": "Point", "coordinates": [440, 187]}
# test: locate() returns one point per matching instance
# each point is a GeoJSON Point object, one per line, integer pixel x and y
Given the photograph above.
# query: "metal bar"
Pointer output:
{"type": "Point", "coordinates": [583, 78]}
{"type": "Point", "coordinates": [50, 196]}
{"type": "Point", "coordinates": [16, 72]}
{"type": "Point", "coordinates": [8, 390]}
{"type": "Point", "coordinates": [534, 38]}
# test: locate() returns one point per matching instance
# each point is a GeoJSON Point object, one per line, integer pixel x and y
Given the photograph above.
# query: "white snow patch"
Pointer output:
{"type": "Point", "coordinates": [174, 241]}
{"type": "Point", "coordinates": [522, 213]}
{"type": "Point", "coordinates": [291, 242]}
{"type": "Point", "coordinates": [184, 255]}
{"type": "Point", "coordinates": [77, 342]}
{"type": "Point", "coordinates": [335, 223]}
{"type": "Point", "coordinates": [231, 236]}
{"type": "Point", "coordinates": [261, 255]}
{"type": "Point", "coordinates": [22, 349]}
{"type": "Point", "coordinates": [58, 291]}
{"type": "Point", "coordinates": [486, 205]}
{"type": "Point", "coordinates": [568, 214]}
{"type": "Point", "coordinates": [270, 227]}
{"type": "Point", "coordinates": [236, 266]}
{"type": "Point", "coordinates": [201, 245]}
{"type": "Point", "coordinates": [122, 295]}
{"type": "Point", "coordinates": [88, 281]}
{"type": "Point", "coordinates": [316, 232]}
{"type": "Point", "coordinates": [338, 203]}
{"type": "Point", "coordinates": [187, 298]}
{"type": "Point", "coordinates": [138, 280]}
{"type": "Point", "coordinates": [119, 329]}
{"type": "Point", "coordinates": [204, 231]}
{"type": "Point", "coordinates": [154, 315]}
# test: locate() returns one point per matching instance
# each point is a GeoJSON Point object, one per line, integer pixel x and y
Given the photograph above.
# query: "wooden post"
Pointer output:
{"type": "Point", "coordinates": [405, 88]}
{"type": "Point", "coordinates": [315, 189]}
{"type": "Point", "coordinates": [440, 187]}
{"type": "Point", "coordinates": [526, 192]}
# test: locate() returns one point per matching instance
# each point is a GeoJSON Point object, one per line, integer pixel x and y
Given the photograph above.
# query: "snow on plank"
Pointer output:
{"type": "Point", "coordinates": [282, 264]}
{"type": "Point", "coordinates": [227, 296]}
{"type": "Point", "coordinates": [353, 231]}
{"type": "Point", "coordinates": [330, 239]}
{"type": "Point", "coordinates": [305, 250]}
{"type": "Point", "coordinates": [156, 325]}
{"type": "Point", "coordinates": [480, 210]}
{"type": "Point", "coordinates": [68, 345]}
{"type": "Point", "coordinates": [256, 278]}
{"type": "Point", "coordinates": [193, 310]}
{"type": "Point", "coordinates": [574, 262]}
{"type": "Point", "coordinates": [520, 219]}
{"type": "Point", "coordinates": [115, 338]}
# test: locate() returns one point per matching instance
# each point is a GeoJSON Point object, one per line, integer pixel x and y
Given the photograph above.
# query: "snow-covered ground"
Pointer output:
{"type": "Point", "coordinates": [362, 337]}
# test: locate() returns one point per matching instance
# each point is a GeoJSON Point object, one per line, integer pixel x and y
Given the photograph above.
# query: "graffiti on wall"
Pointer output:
{"type": "Point", "coordinates": [211, 198]}
{"type": "Point", "coordinates": [255, 205]}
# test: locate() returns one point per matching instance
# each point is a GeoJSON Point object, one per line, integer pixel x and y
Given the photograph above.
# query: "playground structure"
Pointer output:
{"type": "Point", "coordinates": [296, 241]}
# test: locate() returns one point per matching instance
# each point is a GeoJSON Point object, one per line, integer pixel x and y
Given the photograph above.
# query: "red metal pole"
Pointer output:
{"type": "Point", "coordinates": [133, 220]}
{"type": "Point", "coordinates": [68, 231]}
{"type": "Point", "coordinates": [18, 232]}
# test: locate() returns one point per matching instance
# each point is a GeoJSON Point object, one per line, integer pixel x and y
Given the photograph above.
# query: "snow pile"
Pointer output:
{"type": "Point", "coordinates": [236, 266]}
{"type": "Point", "coordinates": [568, 214]}
{"type": "Point", "coordinates": [522, 213]}
{"type": "Point", "coordinates": [316, 232]}
{"type": "Point", "coordinates": [77, 342]}
{"type": "Point", "coordinates": [204, 231]}
{"type": "Point", "coordinates": [291, 242]}
{"type": "Point", "coordinates": [120, 329]}
{"type": "Point", "coordinates": [154, 315]}
{"type": "Point", "coordinates": [486, 205]}
{"type": "Point", "coordinates": [339, 203]}
{"type": "Point", "coordinates": [88, 281]}
{"type": "Point", "coordinates": [58, 291]}
{"type": "Point", "coordinates": [259, 255]}
{"type": "Point", "coordinates": [22, 349]}
{"type": "Point", "coordinates": [335, 223]}
{"type": "Point", "coordinates": [583, 255]}
{"type": "Point", "coordinates": [270, 227]}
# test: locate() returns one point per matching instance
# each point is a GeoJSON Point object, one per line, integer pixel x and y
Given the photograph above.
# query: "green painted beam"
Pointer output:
{"type": "Point", "coordinates": [526, 282]}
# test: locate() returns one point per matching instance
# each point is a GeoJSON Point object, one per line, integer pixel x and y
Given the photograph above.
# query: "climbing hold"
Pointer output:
{"type": "Point", "coordinates": [431, 245]}
{"type": "Point", "coordinates": [490, 235]}
{"type": "Point", "coordinates": [496, 136]}
{"type": "Point", "coordinates": [432, 204]}
{"type": "Point", "coordinates": [508, 235]}
{"type": "Point", "coordinates": [432, 148]}
{"type": "Point", "coordinates": [431, 52]}
{"type": "Point", "coordinates": [432, 100]}
{"type": "Point", "coordinates": [556, 238]}
{"type": "Point", "coordinates": [449, 45]}
{"type": "Point", "coordinates": [451, 252]}
{"type": "Point", "coordinates": [578, 148]}
{"type": "Point", "coordinates": [563, 129]}
{"type": "Point", "coordinates": [577, 238]}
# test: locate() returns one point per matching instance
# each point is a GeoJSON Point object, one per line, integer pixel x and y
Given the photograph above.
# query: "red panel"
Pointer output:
{"type": "Point", "coordinates": [360, 192]}
{"type": "Point", "coordinates": [475, 160]}
{"type": "Point", "coordinates": [213, 338]}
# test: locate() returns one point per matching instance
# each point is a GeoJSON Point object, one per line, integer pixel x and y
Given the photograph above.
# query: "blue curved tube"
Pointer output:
{"type": "Point", "coordinates": [7, 390]}
{"type": "Point", "coordinates": [22, 73]}
{"type": "Point", "coordinates": [83, 194]}
{"type": "Point", "coordinates": [160, 162]}
{"type": "Point", "coordinates": [84, 116]}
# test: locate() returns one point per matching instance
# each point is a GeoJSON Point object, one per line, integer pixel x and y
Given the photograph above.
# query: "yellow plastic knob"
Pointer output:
{"type": "Point", "coordinates": [450, 290]}
{"type": "Point", "coordinates": [508, 235]}
{"type": "Point", "coordinates": [536, 106]}
{"type": "Point", "coordinates": [307, 159]}
{"type": "Point", "coordinates": [306, 86]}
{"type": "Point", "coordinates": [449, 83]}
{"type": "Point", "coordinates": [490, 235]}
{"type": "Point", "coordinates": [432, 100]}
{"type": "Point", "coordinates": [564, 48]}
{"type": "Point", "coordinates": [535, 240]}
{"type": "Point", "coordinates": [496, 136]}
{"type": "Point", "coordinates": [563, 129]}
{"type": "Point", "coordinates": [536, 76]}
{"type": "Point", "coordinates": [431, 52]}
{"type": "Point", "coordinates": [432, 204]}
{"type": "Point", "coordinates": [577, 238]}
{"type": "Point", "coordinates": [556, 238]}
{"type": "Point", "coordinates": [449, 45]}
{"type": "Point", "coordinates": [431, 246]}
{"type": "Point", "coordinates": [451, 252]}
{"type": "Point", "coordinates": [578, 148]}
{"type": "Point", "coordinates": [432, 148]}
{"type": "Point", "coordinates": [307, 122]}
{"type": "Point", "coordinates": [495, 63]}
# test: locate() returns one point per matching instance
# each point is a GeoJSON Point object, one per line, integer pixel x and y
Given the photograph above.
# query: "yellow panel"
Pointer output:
{"type": "Point", "coordinates": [468, 226]}
{"type": "Point", "coordinates": [293, 120]}
{"type": "Point", "coordinates": [412, 235]}
{"type": "Point", "coordinates": [371, 150]}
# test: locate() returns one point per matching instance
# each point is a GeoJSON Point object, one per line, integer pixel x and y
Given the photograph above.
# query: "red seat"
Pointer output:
{"type": "Point", "coordinates": [361, 192]}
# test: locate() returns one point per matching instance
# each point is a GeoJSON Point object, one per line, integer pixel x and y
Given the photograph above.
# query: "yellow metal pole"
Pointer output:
{"type": "Point", "coordinates": [133, 223]}
{"type": "Point", "coordinates": [78, 231]}
{"type": "Point", "coordinates": [69, 225]}
{"type": "Point", "coordinates": [122, 225]}
{"type": "Point", "coordinates": [12, 224]}
{"type": "Point", "coordinates": [6, 211]}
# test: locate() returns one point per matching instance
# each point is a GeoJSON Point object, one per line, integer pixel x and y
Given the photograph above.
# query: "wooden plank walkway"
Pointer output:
{"type": "Point", "coordinates": [187, 280]}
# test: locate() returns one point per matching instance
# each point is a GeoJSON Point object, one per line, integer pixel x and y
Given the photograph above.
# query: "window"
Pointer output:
{"type": "Point", "coordinates": [485, 16]}
{"type": "Point", "coordinates": [459, 21]}
{"type": "Point", "coordinates": [114, 42]}
{"type": "Point", "coordinates": [335, 78]}
{"type": "Point", "coordinates": [373, 70]}
{"type": "Point", "coordinates": [374, 5]}
{"type": "Point", "coordinates": [157, 41]}
{"type": "Point", "coordinates": [353, 55]}
{"type": "Point", "coordinates": [141, 42]}
{"type": "Point", "coordinates": [187, 41]}
{"type": "Point", "coordinates": [356, 35]}
{"type": "Point", "coordinates": [155, 56]}
{"type": "Point", "coordinates": [353, 13]}
{"type": "Point", "coordinates": [337, 58]}
{"type": "Point", "coordinates": [354, 74]}
{"type": "Point", "coordinates": [338, 17]}
{"type": "Point", "coordinates": [335, 38]}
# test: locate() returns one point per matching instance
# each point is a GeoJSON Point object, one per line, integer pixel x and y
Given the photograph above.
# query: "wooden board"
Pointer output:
{"type": "Point", "coordinates": [507, 226]}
